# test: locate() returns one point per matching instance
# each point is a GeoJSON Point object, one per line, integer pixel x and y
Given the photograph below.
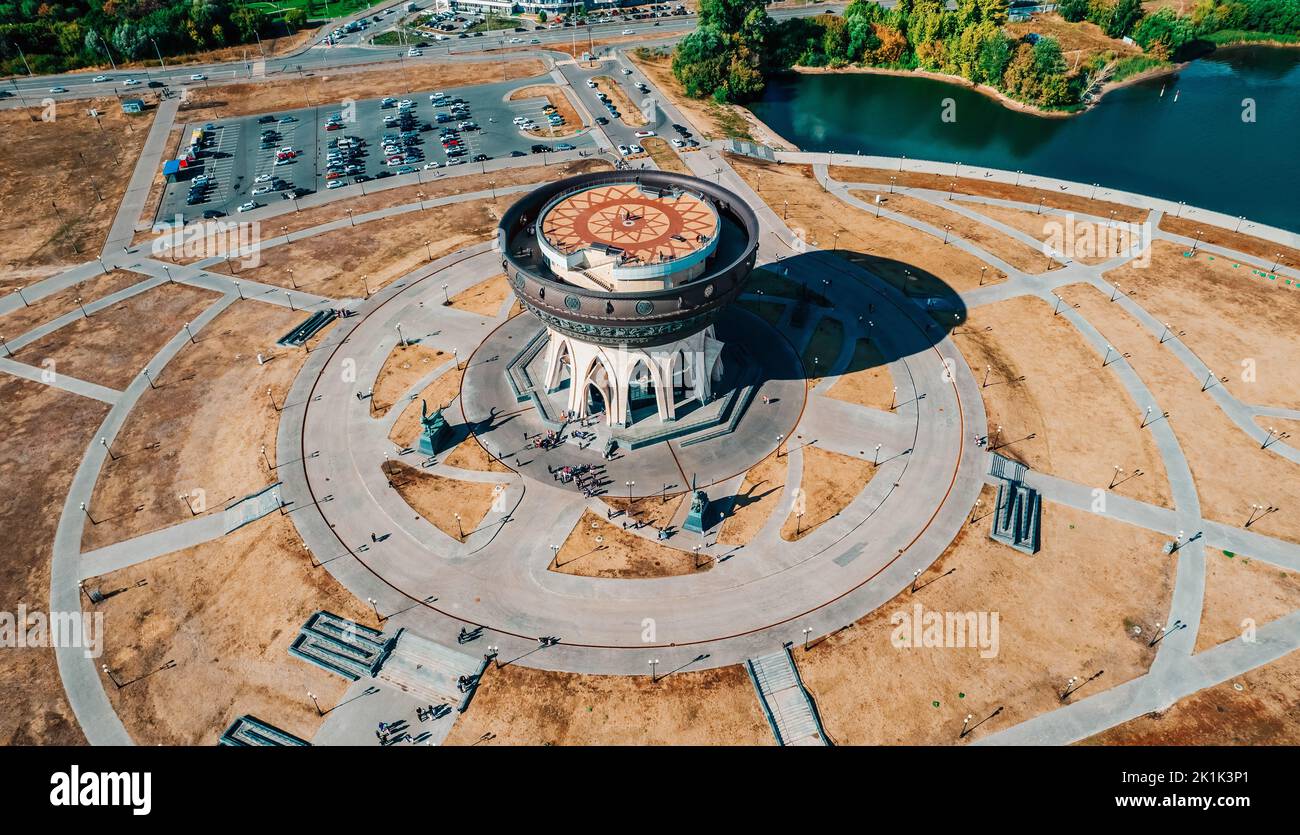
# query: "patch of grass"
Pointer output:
{"type": "Point", "coordinates": [1227, 37]}
{"type": "Point", "coordinates": [1135, 64]}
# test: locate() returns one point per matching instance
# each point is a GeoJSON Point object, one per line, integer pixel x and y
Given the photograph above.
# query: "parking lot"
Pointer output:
{"type": "Point", "coordinates": [275, 156]}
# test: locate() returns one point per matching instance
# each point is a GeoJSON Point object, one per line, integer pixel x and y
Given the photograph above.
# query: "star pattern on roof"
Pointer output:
{"type": "Point", "coordinates": [648, 229]}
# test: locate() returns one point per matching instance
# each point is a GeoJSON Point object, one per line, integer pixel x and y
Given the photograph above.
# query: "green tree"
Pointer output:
{"type": "Point", "coordinates": [1123, 17]}
{"type": "Point", "coordinates": [1073, 10]}
{"type": "Point", "coordinates": [296, 18]}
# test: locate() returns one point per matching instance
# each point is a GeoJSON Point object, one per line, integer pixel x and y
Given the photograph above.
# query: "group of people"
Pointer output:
{"type": "Point", "coordinates": [589, 478]}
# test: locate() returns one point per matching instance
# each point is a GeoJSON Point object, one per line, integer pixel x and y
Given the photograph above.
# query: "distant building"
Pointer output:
{"type": "Point", "coordinates": [132, 106]}
{"type": "Point", "coordinates": [505, 8]}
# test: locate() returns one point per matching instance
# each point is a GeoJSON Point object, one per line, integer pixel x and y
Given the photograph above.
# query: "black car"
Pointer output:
{"type": "Point", "coordinates": [518, 154]}
{"type": "Point", "coordinates": [481, 158]}
{"type": "Point", "coordinates": [680, 128]}
{"type": "Point", "coordinates": [601, 120]}
{"type": "Point", "coordinates": [540, 149]}
{"type": "Point", "coordinates": [382, 174]}
{"type": "Point", "coordinates": [264, 120]}
{"type": "Point", "coordinates": [154, 85]}
{"type": "Point", "coordinates": [209, 214]}
{"type": "Point", "coordinates": [361, 178]}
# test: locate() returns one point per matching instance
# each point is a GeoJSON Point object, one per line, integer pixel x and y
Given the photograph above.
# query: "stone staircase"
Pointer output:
{"type": "Point", "coordinates": [788, 706]}
{"type": "Point", "coordinates": [430, 671]}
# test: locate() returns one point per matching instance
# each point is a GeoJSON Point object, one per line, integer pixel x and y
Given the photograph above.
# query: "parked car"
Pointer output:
{"type": "Point", "coordinates": [248, 207]}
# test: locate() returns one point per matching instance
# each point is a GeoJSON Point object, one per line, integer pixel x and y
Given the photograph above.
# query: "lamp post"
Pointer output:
{"type": "Point", "coordinates": [654, 675]}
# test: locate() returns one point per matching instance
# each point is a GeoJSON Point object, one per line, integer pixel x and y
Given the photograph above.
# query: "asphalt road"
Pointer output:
{"type": "Point", "coordinates": [347, 53]}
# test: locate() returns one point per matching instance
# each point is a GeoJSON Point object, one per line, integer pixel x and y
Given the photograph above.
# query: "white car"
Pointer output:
{"type": "Point", "coordinates": [628, 32]}
{"type": "Point", "coordinates": [58, 89]}
{"type": "Point", "coordinates": [261, 190]}
{"type": "Point", "coordinates": [679, 143]}
{"type": "Point", "coordinates": [428, 166]}
{"type": "Point", "coordinates": [285, 161]}
{"type": "Point", "coordinates": [248, 207]}
{"type": "Point", "coordinates": [97, 79]}
{"type": "Point", "coordinates": [519, 120]}
{"type": "Point", "coordinates": [413, 53]}
{"type": "Point", "coordinates": [624, 150]}
{"type": "Point", "coordinates": [201, 180]}
{"type": "Point", "coordinates": [642, 134]}
{"type": "Point", "coordinates": [335, 184]}
{"type": "Point", "coordinates": [130, 82]}
{"type": "Point", "coordinates": [198, 76]}
{"type": "Point", "coordinates": [288, 149]}
{"type": "Point", "coordinates": [626, 71]}
{"type": "Point", "coordinates": [516, 40]}
{"type": "Point", "coordinates": [591, 84]}
{"type": "Point", "coordinates": [637, 149]}
{"type": "Point", "coordinates": [260, 178]}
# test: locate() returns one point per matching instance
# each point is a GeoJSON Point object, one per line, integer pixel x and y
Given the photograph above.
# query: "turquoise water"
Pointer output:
{"type": "Point", "coordinates": [1197, 149]}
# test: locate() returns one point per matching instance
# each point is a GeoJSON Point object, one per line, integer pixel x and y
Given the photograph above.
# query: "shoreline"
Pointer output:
{"type": "Point", "coordinates": [1012, 104]}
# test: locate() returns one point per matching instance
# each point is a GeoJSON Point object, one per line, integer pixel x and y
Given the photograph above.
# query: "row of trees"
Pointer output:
{"type": "Point", "coordinates": [737, 45]}
{"type": "Point", "coordinates": [56, 36]}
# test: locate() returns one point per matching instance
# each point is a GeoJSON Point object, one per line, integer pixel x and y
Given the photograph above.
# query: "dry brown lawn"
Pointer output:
{"type": "Point", "coordinates": [1230, 469]}
{"type": "Point", "coordinates": [440, 499]}
{"type": "Point", "coordinates": [1240, 589]}
{"type": "Point", "coordinates": [469, 454]}
{"type": "Point", "coordinates": [1022, 257]}
{"type": "Point", "coordinates": [225, 612]}
{"type": "Point", "coordinates": [1082, 38]}
{"type": "Point", "coordinates": [23, 319]}
{"type": "Point", "coordinates": [759, 494]}
{"type": "Point", "coordinates": [664, 155]}
{"type": "Point", "coordinates": [342, 262]}
{"type": "Point", "coordinates": [202, 429]}
{"type": "Point", "coordinates": [311, 89]}
{"type": "Point", "coordinates": [439, 394]}
{"type": "Point", "coordinates": [897, 253]}
{"type": "Point", "coordinates": [485, 298]}
{"type": "Point", "coordinates": [1234, 319]}
{"type": "Point", "coordinates": [1109, 240]}
{"type": "Point", "coordinates": [830, 481]}
{"type": "Point", "coordinates": [403, 368]}
{"type": "Point", "coordinates": [984, 188]}
{"type": "Point", "coordinates": [557, 99]}
{"type": "Point", "coordinates": [869, 383]}
{"type": "Point", "coordinates": [113, 345]}
{"type": "Point", "coordinates": [652, 510]}
{"type": "Point", "coordinates": [1262, 712]}
{"type": "Point", "coordinates": [1100, 578]}
{"type": "Point", "coordinates": [60, 163]}
{"type": "Point", "coordinates": [521, 706]}
{"type": "Point", "coordinates": [37, 465]}
{"type": "Point", "coordinates": [598, 548]}
{"type": "Point", "coordinates": [1081, 418]}
{"type": "Point", "coordinates": [1266, 251]}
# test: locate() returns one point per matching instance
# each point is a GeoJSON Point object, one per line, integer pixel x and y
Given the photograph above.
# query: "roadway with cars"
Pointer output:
{"type": "Point", "coordinates": [318, 57]}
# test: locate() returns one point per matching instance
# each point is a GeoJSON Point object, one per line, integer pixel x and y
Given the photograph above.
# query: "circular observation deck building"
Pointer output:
{"type": "Point", "coordinates": [628, 271]}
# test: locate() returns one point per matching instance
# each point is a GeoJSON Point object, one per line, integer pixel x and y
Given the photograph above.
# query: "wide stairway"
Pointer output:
{"type": "Point", "coordinates": [427, 670]}
{"type": "Point", "coordinates": [788, 706]}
